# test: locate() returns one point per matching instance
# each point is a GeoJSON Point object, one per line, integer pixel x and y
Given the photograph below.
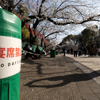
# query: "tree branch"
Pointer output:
{"type": "Point", "coordinates": [59, 6]}
{"type": "Point", "coordinates": [67, 7]}
{"type": "Point", "coordinates": [40, 8]}
{"type": "Point", "coordinates": [90, 19]}
{"type": "Point", "coordinates": [79, 12]}
{"type": "Point", "coordinates": [53, 33]}
{"type": "Point", "coordinates": [53, 38]}
{"type": "Point", "coordinates": [17, 4]}
{"type": "Point", "coordinates": [59, 23]}
{"type": "Point", "coordinates": [73, 22]}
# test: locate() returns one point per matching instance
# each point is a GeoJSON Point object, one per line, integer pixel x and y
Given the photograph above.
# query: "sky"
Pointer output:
{"type": "Point", "coordinates": [94, 9]}
{"type": "Point", "coordinates": [75, 31]}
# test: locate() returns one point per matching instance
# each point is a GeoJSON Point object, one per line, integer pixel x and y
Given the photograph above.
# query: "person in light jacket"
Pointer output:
{"type": "Point", "coordinates": [75, 49]}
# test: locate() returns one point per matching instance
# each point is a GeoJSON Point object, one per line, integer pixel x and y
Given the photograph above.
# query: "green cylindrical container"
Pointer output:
{"type": "Point", "coordinates": [10, 55]}
{"type": "Point", "coordinates": [53, 53]}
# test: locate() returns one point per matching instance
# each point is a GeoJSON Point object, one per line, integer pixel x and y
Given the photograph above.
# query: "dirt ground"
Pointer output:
{"type": "Point", "coordinates": [54, 79]}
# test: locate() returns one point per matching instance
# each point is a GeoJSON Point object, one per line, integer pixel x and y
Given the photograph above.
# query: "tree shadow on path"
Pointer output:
{"type": "Point", "coordinates": [58, 81]}
{"type": "Point", "coordinates": [65, 80]}
{"type": "Point", "coordinates": [32, 62]}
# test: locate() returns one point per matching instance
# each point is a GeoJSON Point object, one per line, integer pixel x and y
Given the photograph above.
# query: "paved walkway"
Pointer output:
{"type": "Point", "coordinates": [60, 78]}
{"type": "Point", "coordinates": [91, 62]}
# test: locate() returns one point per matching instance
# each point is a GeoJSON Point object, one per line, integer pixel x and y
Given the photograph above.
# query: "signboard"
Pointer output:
{"type": "Point", "coordinates": [10, 56]}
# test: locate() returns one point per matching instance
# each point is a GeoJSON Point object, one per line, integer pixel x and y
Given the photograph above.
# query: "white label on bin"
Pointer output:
{"type": "Point", "coordinates": [10, 56]}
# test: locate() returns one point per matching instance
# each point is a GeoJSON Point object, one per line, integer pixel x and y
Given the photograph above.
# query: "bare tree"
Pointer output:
{"type": "Point", "coordinates": [61, 12]}
{"type": "Point", "coordinates": [10, 5]}
{"type": "Point", "coordinates": [58, 12]}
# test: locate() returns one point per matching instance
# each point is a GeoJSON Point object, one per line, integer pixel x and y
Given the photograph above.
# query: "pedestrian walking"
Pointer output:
{"type": "Point", "coordinates": [98, 52]}
{"type": "Point", "coordinates": [64, 49]}
{"type": "Point", "coordinates": [75, 49]}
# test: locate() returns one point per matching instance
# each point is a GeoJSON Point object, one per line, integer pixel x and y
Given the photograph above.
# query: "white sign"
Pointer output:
{"type": "Point", "coordinates": [10, 56]}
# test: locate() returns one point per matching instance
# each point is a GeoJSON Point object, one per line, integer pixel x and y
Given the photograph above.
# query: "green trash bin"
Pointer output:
{"type": "Point", "coordinates": [10, 55]}
{"type": "Point", "coordinates": [53, 53]}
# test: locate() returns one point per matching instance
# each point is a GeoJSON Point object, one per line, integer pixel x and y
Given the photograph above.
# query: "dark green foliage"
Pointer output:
{"type": "Point", "coordinates": [88, 35]}
{"type": "Point", "coordinates": [67, 38]}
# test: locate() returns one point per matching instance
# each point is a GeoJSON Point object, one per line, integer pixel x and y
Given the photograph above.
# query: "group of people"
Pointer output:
{"type": "Point", "coordinates": [91, 51]}
{"type": "Point", "coordinates": [74, 50]}
{"type": "Point", "coordinates": [78, 51]}
{"type": "Point", "coordinates": [30, 52]}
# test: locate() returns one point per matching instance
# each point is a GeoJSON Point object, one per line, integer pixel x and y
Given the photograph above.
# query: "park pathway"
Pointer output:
{"type": "Point", "coordinates": [59, 78]}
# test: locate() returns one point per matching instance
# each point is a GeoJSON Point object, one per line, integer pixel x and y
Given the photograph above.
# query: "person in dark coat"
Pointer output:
{"type": "Point", "coordinates": [38, 50]}
{"type": "Point", "coordinates": [64, 49]}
